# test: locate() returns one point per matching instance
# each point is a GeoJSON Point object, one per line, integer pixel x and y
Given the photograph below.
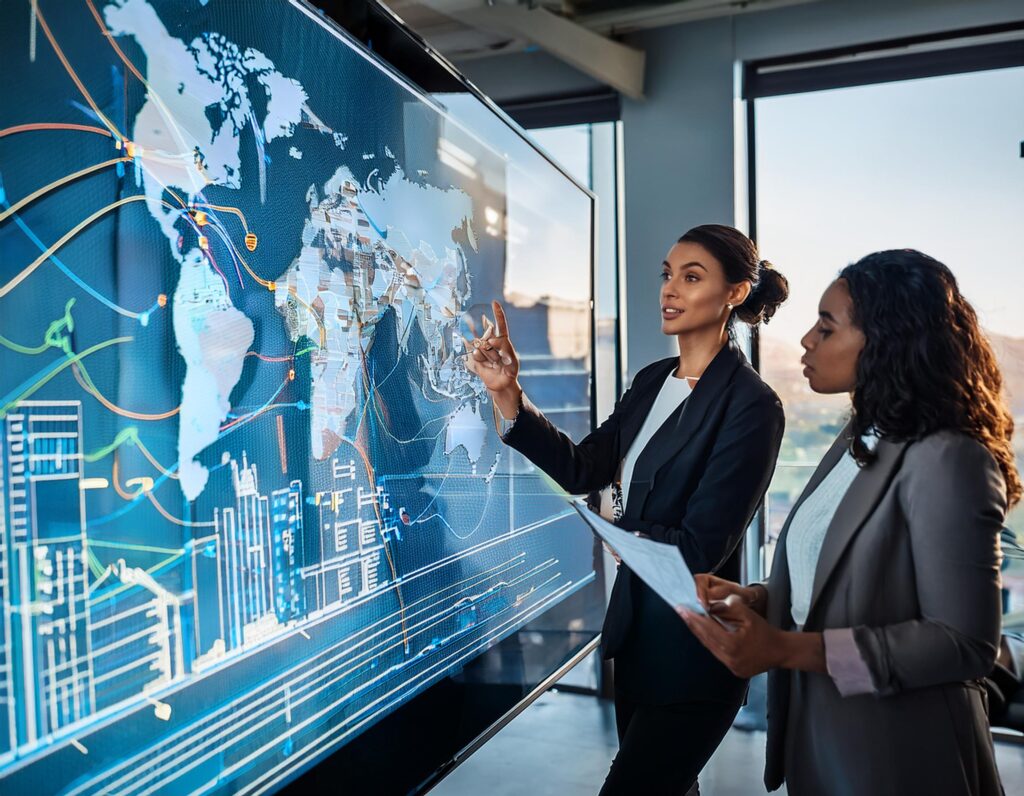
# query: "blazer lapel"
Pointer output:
{"type": "Point", "coordinates": [778, 581]}
{"type": "Point", "coordinates": [680, 426]}
{"type": "Point", "coordinates": [854, 509]}
{"type": "Point", "coordinates": [642, 404]}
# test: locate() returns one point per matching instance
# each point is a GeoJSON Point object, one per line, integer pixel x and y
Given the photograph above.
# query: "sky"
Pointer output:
{"type": "Point", "coordinates": [933, 164]}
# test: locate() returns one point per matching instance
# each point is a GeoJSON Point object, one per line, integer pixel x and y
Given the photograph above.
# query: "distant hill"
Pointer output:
{"type": "Point", "coordinates": [1010, 351]}
{"type": "Point", "coordinates": [780, 364]}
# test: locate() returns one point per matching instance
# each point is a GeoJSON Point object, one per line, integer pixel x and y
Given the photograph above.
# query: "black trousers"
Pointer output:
{"type": "Point", "coordinates": [662, 748]}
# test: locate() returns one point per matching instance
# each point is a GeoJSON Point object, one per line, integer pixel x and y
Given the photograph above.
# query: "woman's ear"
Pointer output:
{"type": "Point", "coordinates": [739, 293]}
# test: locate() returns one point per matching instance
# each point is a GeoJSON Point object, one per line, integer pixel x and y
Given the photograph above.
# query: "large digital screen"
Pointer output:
{"type": "Point", "coordinates": [251, 500]}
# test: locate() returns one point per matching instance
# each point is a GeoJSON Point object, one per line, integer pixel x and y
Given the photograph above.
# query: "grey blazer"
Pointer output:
{"type": "Point", "coordinates": [910, 562]}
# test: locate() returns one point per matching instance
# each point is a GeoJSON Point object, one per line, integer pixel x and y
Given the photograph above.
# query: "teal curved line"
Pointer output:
{"type": "Point", "coordinates": [71, 274]}
{"type": "Point", "coordinates": [382, 232]}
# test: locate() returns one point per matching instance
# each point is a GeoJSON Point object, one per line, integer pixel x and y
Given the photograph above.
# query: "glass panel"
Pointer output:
{"type": "Point", "coordinates": [253, 510]}
{"type": "Point", "coordinates": [930, 164]}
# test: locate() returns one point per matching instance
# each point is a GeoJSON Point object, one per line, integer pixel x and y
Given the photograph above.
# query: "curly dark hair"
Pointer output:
{"type": "Point", "coordinates": [926, 364]}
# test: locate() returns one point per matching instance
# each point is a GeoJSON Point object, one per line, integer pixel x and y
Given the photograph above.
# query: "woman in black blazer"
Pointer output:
{"type": "Point", "coordinates": [693, 478]}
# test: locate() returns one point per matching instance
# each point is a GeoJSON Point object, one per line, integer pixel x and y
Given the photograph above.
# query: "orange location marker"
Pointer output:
{"type": "Point", "coordinates": [161, 300]}
{"type": "Point", "coordinates": [129, 148]}
{"type": "Point", "coordinates": [251, 241]}
{"type": "Point", "coordinates": [291, 374]}
{"type": "Point", "coordinates": [272, 287]}
{"type": "Point", "coordinates": [201, 219]}
{"type": "Point", "coordinates": [204, 242]}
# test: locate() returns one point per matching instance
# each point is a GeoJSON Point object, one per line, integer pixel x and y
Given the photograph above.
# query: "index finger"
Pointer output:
{"type": "Point", "coordinates": [499, 319]}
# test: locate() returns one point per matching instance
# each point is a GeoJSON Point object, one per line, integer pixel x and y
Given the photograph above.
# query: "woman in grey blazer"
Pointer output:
{"type": "Point", "coordinates": [882, 611]}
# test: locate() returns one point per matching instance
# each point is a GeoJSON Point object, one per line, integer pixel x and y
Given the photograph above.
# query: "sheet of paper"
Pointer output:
{"type": "Point", "coordinates": [660, 566]}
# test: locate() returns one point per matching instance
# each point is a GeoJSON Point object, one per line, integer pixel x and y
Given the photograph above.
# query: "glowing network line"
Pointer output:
{"type": "Point", "coordinates": [150, 92]}
{"type": "Point", "coordinates": [26, 388]}
{"type": "Point", "coordinates": [128, 436]}
{"type": "Point", "coordinates": [25, 128]}
{"type": "Point", "coordinates": [73, 276]}
{"type": "Point", "coordinates": [85, 380]}
{"type": "Point", "coordinates": [74, 76]}
{"type": "Point", "coordinates": [146, 489]}
{"type": "Point", "coordinates": [69, 235]}
{"type": "Point", "coordinates": [11, 209]}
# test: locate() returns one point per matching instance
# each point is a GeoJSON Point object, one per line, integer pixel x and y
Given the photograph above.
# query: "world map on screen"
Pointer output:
{"type": "Point", "coordinates": [251, 499]}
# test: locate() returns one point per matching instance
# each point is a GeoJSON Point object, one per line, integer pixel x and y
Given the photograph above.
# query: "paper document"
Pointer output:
{"type": "Point", "coordinates": [660, 566]}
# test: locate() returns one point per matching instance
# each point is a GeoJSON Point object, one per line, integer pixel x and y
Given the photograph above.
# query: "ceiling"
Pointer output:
{"type": "Point", "coordinates": [583, 33]}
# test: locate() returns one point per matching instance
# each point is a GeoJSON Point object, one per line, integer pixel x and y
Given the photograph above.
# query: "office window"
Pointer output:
{"type": "Point", "coordinates": [589, 153]}
{"type": "Point", "coordinates": [932, 164]}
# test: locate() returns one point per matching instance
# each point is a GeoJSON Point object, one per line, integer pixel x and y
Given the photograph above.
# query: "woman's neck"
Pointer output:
{"type": "Point", "coordinates": [697, 349]}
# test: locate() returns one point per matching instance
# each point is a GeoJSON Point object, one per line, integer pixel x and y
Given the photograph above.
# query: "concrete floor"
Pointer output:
{"type": "Point", "coordinates": [564, 743]}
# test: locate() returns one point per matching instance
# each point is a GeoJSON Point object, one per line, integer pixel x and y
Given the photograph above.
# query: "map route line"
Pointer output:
{"type": "Point", "coordinates": [73, 276]}
{"type": "Point", "coordinates": [226, 209]}
{"type": "Point", "coordinates": [172, 518]}
{"type": "Point", "coordinates": [161, 106]}
{"type": "Point", "coordinates": [26, 128]}
{"type": "Point", "coordinates": [385, 418]}
{"type": "Point", "coordinates": [74, 76]}
{"type": "Point", "coordinates": [218, 228]}
{"type": "Point", "coordinates": [21, 392]}
{"type": "Point", "coordinates": [52, 339]}
{"type": "Point", "coordinates": [57, 184]}
{"type": "Point", "coordinates": [116, 481]}
{"type": "Point", "coordinates": [95, 522]}
{"type": "Point", "coordinates": [269, 284]}
{"type": "Point", "coordinates": [146, 487]}
{"type": "Point", "coordinates": [128, 436]}
{"type": "Point", "coordinates": [285, 358]}
{"type": "Point", "coordinates": [213, 262]}
{"type": "Point", "coordinates": [83, 378]}
{"type": "Point", "coordinates": [71, 233]}
{"type": "Point", "coordinates": [254, 414]}
{"type": "Point", "coordinates": [22, 349]}
{"type": "Point", "coordinates": [96, 567]}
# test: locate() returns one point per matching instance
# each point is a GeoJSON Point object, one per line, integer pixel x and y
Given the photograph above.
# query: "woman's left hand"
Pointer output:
{"type": "Point", "coordinates": [751, 647]}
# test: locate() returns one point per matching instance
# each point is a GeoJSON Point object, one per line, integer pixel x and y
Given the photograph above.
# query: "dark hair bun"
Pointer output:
{"type": "Point", "coordinates": [771, 290]}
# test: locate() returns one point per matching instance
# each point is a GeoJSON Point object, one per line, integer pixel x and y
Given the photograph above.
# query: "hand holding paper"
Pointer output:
{"type": "Point", "coordinates": [660, 566]}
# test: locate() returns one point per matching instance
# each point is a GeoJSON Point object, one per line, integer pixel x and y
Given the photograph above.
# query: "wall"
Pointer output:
{"type": "Point", "coordinates": [679, 143]}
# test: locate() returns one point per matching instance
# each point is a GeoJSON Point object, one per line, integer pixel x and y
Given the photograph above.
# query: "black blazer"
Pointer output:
{"type": "Point", "coordinates": [696, 485]}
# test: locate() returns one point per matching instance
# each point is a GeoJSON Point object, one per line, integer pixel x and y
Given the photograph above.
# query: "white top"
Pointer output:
{"type": "Point", "coordinates": [808, 528]}
{"type": "Point", "coordinates": [673, 392]}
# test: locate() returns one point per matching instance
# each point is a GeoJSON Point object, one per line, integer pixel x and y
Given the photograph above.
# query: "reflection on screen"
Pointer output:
{"type": "Point", "coordinates": [251, 501]}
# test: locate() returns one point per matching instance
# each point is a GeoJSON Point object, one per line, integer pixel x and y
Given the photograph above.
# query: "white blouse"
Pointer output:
{"type": "Point", "coordinates": [673, 392]}
{"type": "Point", "coordinates": [807, 533]}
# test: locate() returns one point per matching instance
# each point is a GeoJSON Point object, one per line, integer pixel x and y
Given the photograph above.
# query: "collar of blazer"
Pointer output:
{"type": "Point", "coordinates": [679, 427]}
{"type": "Point", "coordinates": [853, 511]}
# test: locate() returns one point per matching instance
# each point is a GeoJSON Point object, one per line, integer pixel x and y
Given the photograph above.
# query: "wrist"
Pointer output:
{"type": "Point", "coordinates": [802, 651]}
{"type": "Point", "coordinates": [508, 401]}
